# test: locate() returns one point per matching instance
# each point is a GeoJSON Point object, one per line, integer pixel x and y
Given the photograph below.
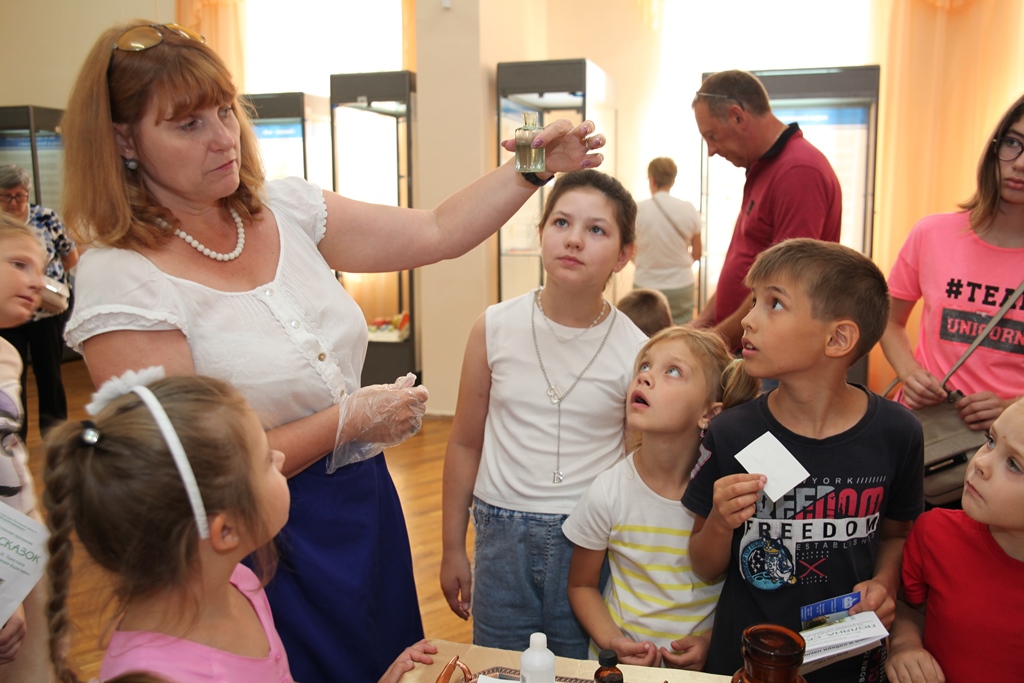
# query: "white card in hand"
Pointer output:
{"type": "Point", "coordinates": [766, 455]}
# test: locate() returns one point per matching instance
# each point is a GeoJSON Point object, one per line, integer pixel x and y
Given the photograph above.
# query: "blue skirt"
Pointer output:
{"type": "Point", "coordinates": [343, 597]}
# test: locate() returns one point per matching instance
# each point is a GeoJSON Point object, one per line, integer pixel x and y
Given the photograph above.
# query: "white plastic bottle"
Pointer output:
{"type": "Point", "coordinates": [537, 665]}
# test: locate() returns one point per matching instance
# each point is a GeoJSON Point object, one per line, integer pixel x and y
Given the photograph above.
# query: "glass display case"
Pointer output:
{"type": "Point", "coordinates": [372, 122]}
{"type": "Point", "coordinates": [30, 138]}
{"type": "Point", "coordinates": [294, 134]}
{"type": "Point", "coordinates": [574, 89]}
{"type": "Point", "coordinates": [837, 109]}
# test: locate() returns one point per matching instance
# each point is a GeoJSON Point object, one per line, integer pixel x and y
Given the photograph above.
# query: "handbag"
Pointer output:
{"type": "Point", "coordinates": [948, 443]}
{"type": "Point", "coordinates": [55, 295]}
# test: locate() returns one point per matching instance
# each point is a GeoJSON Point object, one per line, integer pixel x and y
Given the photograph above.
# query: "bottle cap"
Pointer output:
{"type": "Point", "coordinates": [607, 658]}
{"type": "Point", "coordinates": [538, 640]}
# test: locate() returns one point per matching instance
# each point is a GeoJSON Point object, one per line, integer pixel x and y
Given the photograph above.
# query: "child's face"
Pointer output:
{"type": "Point", "coordinates": [581, 243]}
{"type": "Point", "coordinates": [1012, 172]}
{"type": "Point", "coordinates": [21, 279]}
{"type": "Point", "coordinates": [270, 483]}
{"type": "Point", "coordinates": [994, 485]}
{"type": "Point", "coordinates": [669, 392]}
{"type": "Point", "coordinates": [780, 335]}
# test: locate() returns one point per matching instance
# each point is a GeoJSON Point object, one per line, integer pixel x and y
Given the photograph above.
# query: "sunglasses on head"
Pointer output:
{"type": "Point", "coordinates": [139, 38]}
{"type": "Point", "coordinates": [713, 95]}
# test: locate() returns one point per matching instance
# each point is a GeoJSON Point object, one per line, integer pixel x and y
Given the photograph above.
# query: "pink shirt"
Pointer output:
{"type": "Point", "coordinates": [185, 661]}
{"type": "Point", "coordinates": [963, 281]}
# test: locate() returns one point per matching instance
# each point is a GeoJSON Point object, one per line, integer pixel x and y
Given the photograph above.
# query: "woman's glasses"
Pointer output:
{"type": "Point", "coordinates": [13, 198]}
{"type": "Point", "coordinates": [1008, 148]}
{"type": "Point", "coordinates": [139, 38]}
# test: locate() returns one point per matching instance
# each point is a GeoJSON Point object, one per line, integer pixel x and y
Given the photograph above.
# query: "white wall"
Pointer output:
{"type": "Point", "coordinates": [457, 51]}
{"type": "Point", "coordinates": [43, 42]}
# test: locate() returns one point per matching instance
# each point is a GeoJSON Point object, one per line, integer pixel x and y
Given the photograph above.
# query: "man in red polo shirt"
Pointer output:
{"type": "Point", "coordinates": [790, 191]}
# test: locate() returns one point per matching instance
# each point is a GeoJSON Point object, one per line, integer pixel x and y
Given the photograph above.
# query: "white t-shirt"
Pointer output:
{"type": "Point", "coordinates": [663, 258]}
{"type": "Point", "coordinates": [16, 488]}
{"type": "Point", "coordinates": [653, 594]}
{"type": "Point", "coordinates": [521, 431]}
{"type": "Point", "coordinates": [292, 346]}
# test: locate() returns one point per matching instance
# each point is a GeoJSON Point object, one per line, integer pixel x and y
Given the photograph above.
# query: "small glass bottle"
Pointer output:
{"type": "Point", "coordinates": [528, 159]}
{"type": "Point", "coordinates": [609, 671]}
{"type": "Point", "coordinates": [771, 654]}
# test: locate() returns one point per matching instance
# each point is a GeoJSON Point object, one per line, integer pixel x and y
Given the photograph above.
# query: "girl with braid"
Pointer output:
{"type": "Point", "coordinates": [169, 489]}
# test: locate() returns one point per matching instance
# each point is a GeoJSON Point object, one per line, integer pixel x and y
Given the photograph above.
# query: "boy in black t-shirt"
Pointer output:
{"type": "Point", "coordinates": [818, 307]}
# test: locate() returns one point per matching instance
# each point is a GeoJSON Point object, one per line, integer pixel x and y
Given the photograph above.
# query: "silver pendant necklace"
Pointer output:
{"type": "Point", "coordinates": [206, 251]}
{"type": "Point", "coordinates": [559, 338]}
{"type": "Point", "coordinates": [554, 395]}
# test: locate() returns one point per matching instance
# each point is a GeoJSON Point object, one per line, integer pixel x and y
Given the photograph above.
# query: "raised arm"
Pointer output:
{"type": "Point", "coordinates": [711, 539]}
{"type": "Point", "coordinates": [461, 463]}
{"type": "Point", "coordinates": [368, 238]}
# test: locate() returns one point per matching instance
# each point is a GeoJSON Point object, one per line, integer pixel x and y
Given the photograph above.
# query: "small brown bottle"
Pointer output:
{"type": "Point", "coordinates": [609, 672]}
{"type": "Point", "coordinates": [771, 654]}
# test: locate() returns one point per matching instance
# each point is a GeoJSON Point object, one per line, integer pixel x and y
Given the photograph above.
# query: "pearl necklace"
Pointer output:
{"type": "Point", "coordinates": [559, 338]}
{"type": "Point", "coordinates": [206, 251]}
{"type": "Point", "coordinates": [554, 395]}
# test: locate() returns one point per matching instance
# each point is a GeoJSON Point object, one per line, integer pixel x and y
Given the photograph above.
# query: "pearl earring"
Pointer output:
{"type": "Point", "coordinates": [131, 164]}
{"type": "Point", "coordinates": [703, 430]}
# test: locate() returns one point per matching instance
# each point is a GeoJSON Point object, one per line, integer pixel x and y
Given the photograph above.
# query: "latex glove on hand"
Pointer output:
{"type": "Point", "coordinates": [376, 417]}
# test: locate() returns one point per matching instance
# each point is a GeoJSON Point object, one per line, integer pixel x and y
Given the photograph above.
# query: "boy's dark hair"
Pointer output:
{"type": "Point", "coordinates": [841, 282]}
{"type": "Point", "coordinates": [648, 309]}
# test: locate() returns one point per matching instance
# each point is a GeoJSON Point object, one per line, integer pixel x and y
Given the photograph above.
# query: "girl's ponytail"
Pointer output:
{"type": "Point", "coordinates": [61, 477]}
{"type": "Point", "coordinates": [737, 386]}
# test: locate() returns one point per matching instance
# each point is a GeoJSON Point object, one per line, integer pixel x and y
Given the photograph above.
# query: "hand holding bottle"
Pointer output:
{"type": "Point", "coordinates": [567, 148]}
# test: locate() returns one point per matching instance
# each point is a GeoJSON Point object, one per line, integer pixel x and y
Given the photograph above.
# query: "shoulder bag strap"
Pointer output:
{"type": "Point", "coordinates": [1007, 305]}
{"type": "Point", "coordinates": [665, 214]}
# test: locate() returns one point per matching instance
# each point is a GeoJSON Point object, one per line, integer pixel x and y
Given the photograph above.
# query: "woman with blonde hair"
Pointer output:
{"type": "Point", "coordinates": [202, 267]}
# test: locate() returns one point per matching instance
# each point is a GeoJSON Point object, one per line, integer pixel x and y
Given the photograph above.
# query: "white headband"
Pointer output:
{"type": "Point", "coordinates": [135, 382]}
{"type": "Point", "coordinates": [188, 478]}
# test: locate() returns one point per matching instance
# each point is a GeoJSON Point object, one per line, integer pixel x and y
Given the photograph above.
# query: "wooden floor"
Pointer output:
{"type": "Point", "coordinates": [416, 467]}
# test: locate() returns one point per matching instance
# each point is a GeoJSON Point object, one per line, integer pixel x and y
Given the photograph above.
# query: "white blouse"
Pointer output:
{"type": "Point", "coordinates": [292, 346]}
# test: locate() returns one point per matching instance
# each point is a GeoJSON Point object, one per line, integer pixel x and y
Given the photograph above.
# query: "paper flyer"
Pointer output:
{"type": "Point", "coordinates": [845, 638]}
{"type": "Point", "coordinates": [766, 455]}
{"type": "Point", "coordinates": [23, 558]}
{"type": "Point", "coordinates": [827, 611]}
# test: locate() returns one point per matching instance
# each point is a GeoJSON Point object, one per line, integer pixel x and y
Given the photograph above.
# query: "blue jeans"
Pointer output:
{"type": "Point", "coordinates": [520, 577]}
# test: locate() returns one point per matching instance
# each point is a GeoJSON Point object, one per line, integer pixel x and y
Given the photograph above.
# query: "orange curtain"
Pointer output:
{"type": "Point", "coordinates": [409, 35]}
{"type": "Point", "coordinates": [222, 23]}
{"type": "Point", "coordinates": [949, 69]}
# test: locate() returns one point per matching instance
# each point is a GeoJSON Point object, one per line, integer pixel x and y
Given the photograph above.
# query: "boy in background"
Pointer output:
{"type": "Point", "coordinates": [818, 307]}
{"type": "Point", "coordinates": [647, 308]}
